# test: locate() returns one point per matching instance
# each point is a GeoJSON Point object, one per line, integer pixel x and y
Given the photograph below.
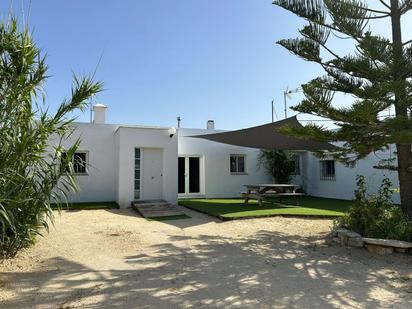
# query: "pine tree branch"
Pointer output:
{"type": "Point", "coordinates": [407, 42]}
{"type": "Point", "coordinates": [373, 60]}
{"type": "Point", "coordinates": [311, 32]}
{"type": "Point", "coordinates": [406, 6]}
{"type": "Point", "coordinates": [346, 37]}
{"type": "Point", "coordinates": [331, 51]}
{"type": "Point", "coordinates": [294, 46]}
{"type": "Point", "coordinates": [374, 17]}
{"type": "Point", "coordinates": [315, 13]}
{"type": "Point", "coordinates": [385, 4]}
{"type": "Point", "coordinates": [370, 10]}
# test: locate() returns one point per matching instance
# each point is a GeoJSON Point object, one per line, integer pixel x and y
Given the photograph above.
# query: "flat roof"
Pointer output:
{"type": "Point", "coordinates": [131, 126]}
{"type": "Point", "coordinates": [142, 127]}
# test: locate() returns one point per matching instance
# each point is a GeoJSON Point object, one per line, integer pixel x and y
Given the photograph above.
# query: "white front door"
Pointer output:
{"type": "Point", "coordinates": [152, 174]}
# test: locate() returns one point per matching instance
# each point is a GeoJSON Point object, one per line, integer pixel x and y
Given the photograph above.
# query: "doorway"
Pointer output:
{"type": "Point", "coordinates": [152, 172]}
{"type": "Point", "coordinates": [189, 180]}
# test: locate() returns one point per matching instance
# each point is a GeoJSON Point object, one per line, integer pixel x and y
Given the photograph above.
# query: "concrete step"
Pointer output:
{"type": "Point", "coordinates": [144, 202]}
{"type": "Point", "coordinates": [156, 208]}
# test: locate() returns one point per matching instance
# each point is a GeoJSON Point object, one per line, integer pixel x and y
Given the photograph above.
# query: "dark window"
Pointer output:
{"type": "Point", "coordinates": [79, 162]}
{"type": "Point", "coordinates": [194, 175]}
{"type": "Point", "coordinates": [327, 170]}
{"type": "Point", "coordinates": [237, 164]}
{"type": "Point", "coordinates": [137, 173]}
{"type": "Point", "coordinates": [181, 176]}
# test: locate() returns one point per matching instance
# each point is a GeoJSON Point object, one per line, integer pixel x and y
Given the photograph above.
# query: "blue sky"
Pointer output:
{"type": "Point", "coordinates": [214, 59]}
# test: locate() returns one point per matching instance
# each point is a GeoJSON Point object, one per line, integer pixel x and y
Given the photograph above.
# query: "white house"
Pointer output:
{"type": "Point", "coordinates": [124, 163]}
{"type": "Point", "coordinates": [327, 178]}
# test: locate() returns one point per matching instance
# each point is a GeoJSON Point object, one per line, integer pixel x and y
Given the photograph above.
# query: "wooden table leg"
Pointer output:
{"type": "Point", "coordinates": [247, 196]}
{"type": "Point", "coordinates": [260, 201]}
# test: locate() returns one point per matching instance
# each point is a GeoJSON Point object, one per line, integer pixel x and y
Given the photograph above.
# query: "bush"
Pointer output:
{"type": "Point", "coordinates": [375, 215]}
{"type": "Point", "coordinates": [279, 164]}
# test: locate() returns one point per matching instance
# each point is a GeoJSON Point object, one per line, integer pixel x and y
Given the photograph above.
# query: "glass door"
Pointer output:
{"type": "Point", "coordinates": [194, 175]}
{"type": "Point", "coordinates": [189, 175]}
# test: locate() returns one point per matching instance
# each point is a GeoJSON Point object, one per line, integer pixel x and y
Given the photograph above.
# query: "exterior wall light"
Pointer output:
{"type": "Point", "coordinates": [172, 132]}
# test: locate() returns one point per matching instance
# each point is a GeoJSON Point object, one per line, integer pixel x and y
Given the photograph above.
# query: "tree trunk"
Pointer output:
{"type": "Point", "coordinates": [404, 151]}
{"type": "Point", "coordinates": [405, 177]}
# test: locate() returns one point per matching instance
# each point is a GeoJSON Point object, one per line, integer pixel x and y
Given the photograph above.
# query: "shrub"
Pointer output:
{"type": "Point", "coordinates": [375, 215]}
{"type": "Point", "coordinates": [279, 164]}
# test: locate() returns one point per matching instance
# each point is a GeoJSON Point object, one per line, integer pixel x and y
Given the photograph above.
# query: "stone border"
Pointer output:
{"type": "Point", "coordinates": [349, 238]}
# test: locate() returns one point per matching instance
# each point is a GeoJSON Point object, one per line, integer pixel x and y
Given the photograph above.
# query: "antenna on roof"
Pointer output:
{"type": "Point", "coordinates": [178, 121]}
{"type": "Point", "coordinates": [273, 120]}
{"type": "Point", "coordinates": [91, 111]}
{"type": "Point", "coordinates": [287, 95]}
{"type": "Point", "coordinates": [274, 114]}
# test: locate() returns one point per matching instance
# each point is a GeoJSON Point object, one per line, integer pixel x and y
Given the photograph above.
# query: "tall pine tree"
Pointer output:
{"type": "Point", "coordinates": [378, 74]}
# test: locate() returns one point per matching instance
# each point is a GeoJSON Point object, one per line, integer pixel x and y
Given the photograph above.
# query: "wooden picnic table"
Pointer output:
{"type": "Point", "coordinates": [261, 192]}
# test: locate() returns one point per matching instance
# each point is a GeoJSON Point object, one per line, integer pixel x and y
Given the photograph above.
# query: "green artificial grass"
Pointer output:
{"type": "Point", "coordinates": [227, 209]}
{"type": "Point", "coordinates": [91, 205]}
{"type": "Point", "coordinates": [167, 218]}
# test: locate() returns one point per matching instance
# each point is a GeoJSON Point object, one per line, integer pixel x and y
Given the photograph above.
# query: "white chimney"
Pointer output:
{"type": "Point", "coordinates": [210, 125]}
{"type": "Point", "coordinates": [99, 113]}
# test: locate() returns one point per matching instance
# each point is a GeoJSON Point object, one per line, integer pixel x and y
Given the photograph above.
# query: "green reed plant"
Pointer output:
{"type": "Point", "coordinates": [33, 172]}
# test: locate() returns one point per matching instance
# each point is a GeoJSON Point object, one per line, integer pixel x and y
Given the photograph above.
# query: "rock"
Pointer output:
{"type": "Point", "coordinates": [334, 233]}
{"type": "Point", "coordinates": [353, 235]}
{"type": "Point", "coordinates": [388, 243]}
{"type": "Point", "coordinates": [355, 242]}
{"type": "Point", "coordinates": [336, 239]}
{"type": "Point", "coordinates": [344, 236]}
{"type": "Point", "coordinates": [381, 250]}
{"type": "Point", "coordinates": [343, 239]}
{"type": "Point", "coordinates": [401, 250]}
{"type": "Point", "coordinates": [342, 232]}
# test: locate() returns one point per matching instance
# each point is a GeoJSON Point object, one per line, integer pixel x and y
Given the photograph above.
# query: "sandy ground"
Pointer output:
{"type": "Point", "coordinates": [114, 258]}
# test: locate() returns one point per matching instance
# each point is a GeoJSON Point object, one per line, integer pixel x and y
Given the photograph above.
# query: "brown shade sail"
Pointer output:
{"type": "Point", "coordinates": [267, 137]}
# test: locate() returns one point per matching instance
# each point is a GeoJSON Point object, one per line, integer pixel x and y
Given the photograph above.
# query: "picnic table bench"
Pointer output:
{"type": "Point", "coordinates": [262, 192]}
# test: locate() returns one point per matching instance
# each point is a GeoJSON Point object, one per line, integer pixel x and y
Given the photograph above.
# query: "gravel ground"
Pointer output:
{"type": "Point", "coordinates": [114, 258]}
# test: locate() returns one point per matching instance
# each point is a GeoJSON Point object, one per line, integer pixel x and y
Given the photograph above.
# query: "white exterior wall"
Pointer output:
{"type": "Point", "coordinates": [99, 185]}
{"type": "Point", "coordinates": [216, 179]}
{"type": "Point", "coordinates": [110, 150]}
{"type": "Point", "coordinates": [129, 138]}
{"type": "Point", "coordinates": [111, 166]}
{"type": "Point", "coordinates": [345, 184]}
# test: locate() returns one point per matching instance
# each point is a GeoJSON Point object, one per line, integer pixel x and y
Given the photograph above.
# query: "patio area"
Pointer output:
{"type": "Point", "coordinates": [115, 258]}
{"type": "Point", "coordinates": [230, 209]}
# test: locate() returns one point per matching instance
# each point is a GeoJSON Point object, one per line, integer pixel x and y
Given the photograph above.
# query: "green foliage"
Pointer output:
{"type": "Point", "coordinates": [279, 164]}
{"type": "Point", "coordinates": [32, 170]}
{"type": "Point", "coordinates": [376, 72]}
{"type": "Point", "coordinates": [375, 216]}
{"type": "Point", "coordinates": [367, 74]}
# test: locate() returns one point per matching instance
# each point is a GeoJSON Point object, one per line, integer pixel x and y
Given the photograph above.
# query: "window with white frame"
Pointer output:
{"type": "Point", "coordinates": [327, 170]}
{"type": "Point", "coordinates": [237, 164]}
{"type": "Point", "coordinates": [80, 161]}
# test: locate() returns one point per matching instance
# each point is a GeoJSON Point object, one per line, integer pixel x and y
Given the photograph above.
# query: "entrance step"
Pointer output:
{"type": "Point", "coordinates": [156, 208]}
